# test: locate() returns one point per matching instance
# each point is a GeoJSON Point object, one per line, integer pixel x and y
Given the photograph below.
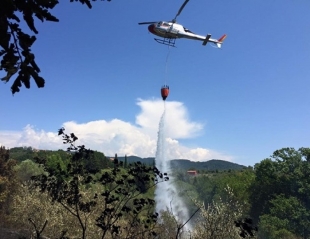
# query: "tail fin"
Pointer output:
{"type": "Point", "coordinates": [220, 40]}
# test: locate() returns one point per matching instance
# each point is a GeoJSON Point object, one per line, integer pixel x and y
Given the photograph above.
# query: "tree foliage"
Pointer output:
{"type": "Point", "coordinates": [107, 200]}
{"type": "Point", "coordinates": [26, 169]}
{"type": "Point", "coordinates": [280, 194]}
{"type": "Point", "coordinates": [21, 153]}
{"type": "Point", "coordinates": [218, 219]}
{"type": "Point", "coordinates": [15, 43]}
{"type": "Point", "coordinates": [7, 178]}
{"type": "Point", "coordinates": [211, 186]}
{"type": "Point", "coordinates": [115, 196]}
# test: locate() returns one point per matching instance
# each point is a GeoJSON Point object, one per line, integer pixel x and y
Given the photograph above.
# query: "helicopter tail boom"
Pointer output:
{"type": "Point", "coordinates": [220, 41]}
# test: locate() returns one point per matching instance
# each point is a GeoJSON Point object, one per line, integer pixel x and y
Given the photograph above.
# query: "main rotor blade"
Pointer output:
{"type": "Point", "coordinates": [180, 10]}
{"type": "Point", "coordinates": [142, 23]}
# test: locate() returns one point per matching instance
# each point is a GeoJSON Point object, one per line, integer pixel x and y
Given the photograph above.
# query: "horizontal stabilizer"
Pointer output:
{"type": "Point", "coordinates": [205, 41]}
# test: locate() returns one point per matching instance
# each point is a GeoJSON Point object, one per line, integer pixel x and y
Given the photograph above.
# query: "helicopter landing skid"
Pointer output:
{"type": "Point", "coordinates": [166, 41]}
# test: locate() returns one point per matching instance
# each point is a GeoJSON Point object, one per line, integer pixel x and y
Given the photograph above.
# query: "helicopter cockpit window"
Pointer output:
{"type": "Point", "coordinates": [159, 24]}
{"type": "Point", "coordinates": [165, 24]}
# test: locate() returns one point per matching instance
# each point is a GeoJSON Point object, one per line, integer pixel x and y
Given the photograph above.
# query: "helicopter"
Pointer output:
{"type": "Point", "coordinates": [171, 30]}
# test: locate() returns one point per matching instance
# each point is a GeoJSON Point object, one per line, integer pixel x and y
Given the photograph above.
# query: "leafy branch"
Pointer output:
{"type": "Point", "coordinates": [15, 44]}
{"type": "Point", "coordinates": [115, 196]}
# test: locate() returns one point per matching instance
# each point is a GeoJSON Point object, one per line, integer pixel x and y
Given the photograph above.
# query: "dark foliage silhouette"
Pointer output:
{"type": "Point", "coordinates": [121, 197]}
{"type": "Point", "coordinates": [247, 229]}
{"type": "Point", "coordinates": [15, 44]}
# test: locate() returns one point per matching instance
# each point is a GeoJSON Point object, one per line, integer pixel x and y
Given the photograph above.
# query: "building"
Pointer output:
{"type": "Point", "coordinates": [192, 172]}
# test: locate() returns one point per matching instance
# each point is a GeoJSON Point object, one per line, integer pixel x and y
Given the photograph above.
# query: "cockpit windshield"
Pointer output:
{"type": "Point", "coordinates": [159, 24]}
{"type": "Point", "coordinates": [166, 24]}
{"type": "Point", "coordinates": [163, 24]}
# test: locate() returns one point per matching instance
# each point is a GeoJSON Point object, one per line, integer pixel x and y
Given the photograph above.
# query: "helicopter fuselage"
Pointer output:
{"type": "Point", "coordinates": [172, 30]}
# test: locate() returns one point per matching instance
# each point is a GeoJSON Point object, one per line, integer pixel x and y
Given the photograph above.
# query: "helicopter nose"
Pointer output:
{"type": "Point", "coordinates": [151, 28]}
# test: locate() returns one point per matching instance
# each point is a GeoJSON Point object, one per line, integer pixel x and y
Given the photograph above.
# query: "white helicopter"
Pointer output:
{"type": "Point", "coordinates": [170, 31]}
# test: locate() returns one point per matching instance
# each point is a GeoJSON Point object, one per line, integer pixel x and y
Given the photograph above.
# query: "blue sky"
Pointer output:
{"type": "Point", "coordinates": [104, 72]}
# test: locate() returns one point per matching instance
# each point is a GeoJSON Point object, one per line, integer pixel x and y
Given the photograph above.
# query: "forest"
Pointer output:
{"type": "Point", "coordinates": [80, 193]}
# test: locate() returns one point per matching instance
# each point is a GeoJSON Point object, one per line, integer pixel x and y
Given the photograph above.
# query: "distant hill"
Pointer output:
{"type": "Point", "coordinates": [184, 164]}
{"type": "Point", "coordinates": [23, 153]}
{"type": "Point", "coordinates": [132, 159]}
{"type": "Point", "coordinates": [210, 165]}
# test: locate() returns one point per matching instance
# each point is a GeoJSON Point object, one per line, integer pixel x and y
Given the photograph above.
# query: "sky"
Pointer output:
{"type": "Point", "coordinates": [104, 72]}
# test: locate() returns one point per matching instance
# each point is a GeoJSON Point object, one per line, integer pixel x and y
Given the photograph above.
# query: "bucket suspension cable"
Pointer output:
{"type": "Point", "coordinates": [166, 67]}
{"type": "Point", "coordinates": [165, 89]}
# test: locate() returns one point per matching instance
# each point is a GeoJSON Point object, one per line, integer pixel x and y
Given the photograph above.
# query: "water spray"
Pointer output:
{"type": "Point", "coordinates": [166, 194]}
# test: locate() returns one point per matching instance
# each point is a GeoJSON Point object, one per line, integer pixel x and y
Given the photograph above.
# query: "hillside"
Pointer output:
{"type": "Point", "coordinates": [23, 153]}
{"type": "Point", "coordinates": [184, 164]}
{"type": "Point", "coordinates": [210, 165]}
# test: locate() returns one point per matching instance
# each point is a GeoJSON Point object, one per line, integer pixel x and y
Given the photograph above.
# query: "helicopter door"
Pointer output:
{"type": "Point", "coordinates": [173, 30]}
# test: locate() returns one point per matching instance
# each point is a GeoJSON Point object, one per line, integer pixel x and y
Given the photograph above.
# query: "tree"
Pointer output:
{"type": "Point", "coordinates": [125, 162]}
{"type": "Point", "coordinates": [31, 207]}
{"type": "Point", "coordinates": [280, 193]}
{"type": "Point", "coordinates": [114, 202]}
{"type": "Point", "coordinates": [97, 162]}
{"type": "Point", "coordinates": [15, 44]}
{"type": "Point", "coordinates": [287, 217]}
{"type": "Point", "coordinates": [7, 178]}
{"type": "Point", "coordinates": [21, 153]}
{"type": "Point", "coordinates": [26, 169]}
{"type": "Point", "coordinates": [4, 162]}
{"type": "Point", "coordinates": [239, 181]}
{"type": "Point", "coordinates": [170, 227]}
{"type": "Point", "coordinates": [218, 219]}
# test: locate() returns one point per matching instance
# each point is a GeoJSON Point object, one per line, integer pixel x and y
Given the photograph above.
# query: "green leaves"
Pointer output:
{"type": "Point", "coordinates": [115, 196]}
{"type": "Point", "coordinates": [280, 193]}
{"type": "Point", "coordinates": [287, 216]}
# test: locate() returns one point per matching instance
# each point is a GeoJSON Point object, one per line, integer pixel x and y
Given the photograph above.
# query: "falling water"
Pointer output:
{"type": "Point", "coordinates": [166, 195]}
